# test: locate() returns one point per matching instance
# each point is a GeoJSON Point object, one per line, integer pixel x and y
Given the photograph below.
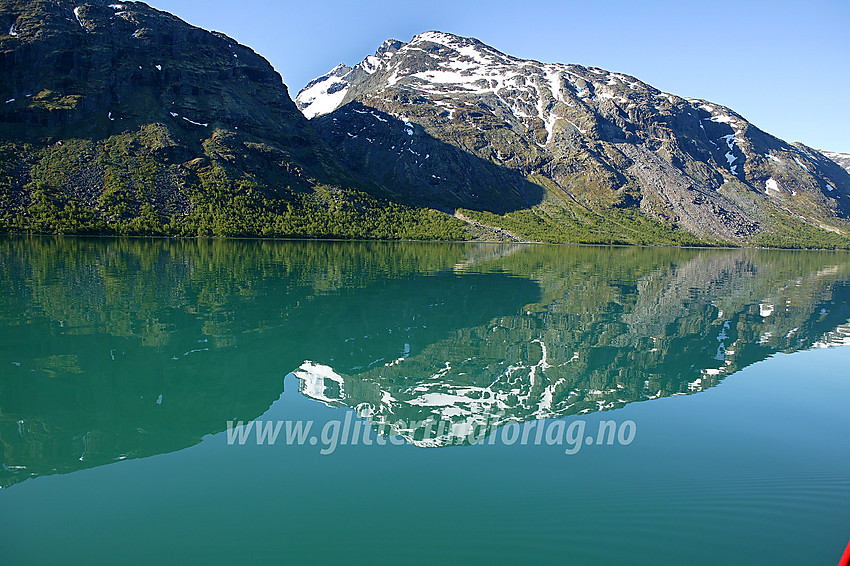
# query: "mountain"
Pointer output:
{"type": "Point", "coordinates": [567, 152]}
{"type": "Point", "coordinates": [119, 118]}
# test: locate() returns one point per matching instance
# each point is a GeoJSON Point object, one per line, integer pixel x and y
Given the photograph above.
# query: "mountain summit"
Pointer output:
{"type": "Point", "coordinates": [453, 123]}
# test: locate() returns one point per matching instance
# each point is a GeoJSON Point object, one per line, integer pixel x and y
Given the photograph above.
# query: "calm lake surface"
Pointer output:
{"type": "Point", "coordinates": [467, 404]}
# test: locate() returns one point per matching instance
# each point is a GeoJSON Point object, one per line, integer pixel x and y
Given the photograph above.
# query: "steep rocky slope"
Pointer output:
{"type": "Point", "coordinates": [451, 122]}
{"type": "Point", "coordinates": [121, 118]}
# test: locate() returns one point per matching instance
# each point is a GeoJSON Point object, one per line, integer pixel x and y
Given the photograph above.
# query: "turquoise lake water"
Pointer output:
{"type": "Point", "coordinates": [466, 403]}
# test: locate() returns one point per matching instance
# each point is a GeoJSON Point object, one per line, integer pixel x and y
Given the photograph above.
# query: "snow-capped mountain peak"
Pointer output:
{"type": "Point", "coordinates": [450, 66]}
{"type": "Point", "coordinates": [324, 94]}
{"type": "Point", "coordinates": [464, 46]}
{"type": "Point", "coordinates": [327, 93]}
{"type": "Point", "coordinates": [602, 138]}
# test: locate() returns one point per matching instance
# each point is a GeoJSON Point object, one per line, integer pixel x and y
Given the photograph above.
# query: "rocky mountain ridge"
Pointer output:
{"type": "Point", "coordinates": [585, 138]}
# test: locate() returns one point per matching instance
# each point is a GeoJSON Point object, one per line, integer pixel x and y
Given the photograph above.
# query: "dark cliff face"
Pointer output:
{"type": "Point", "coordinates": [594, 139]}
{"type": "Point", "coordinates": [68, 61]}
{"type": "Point", "coordinates": [119, 118]}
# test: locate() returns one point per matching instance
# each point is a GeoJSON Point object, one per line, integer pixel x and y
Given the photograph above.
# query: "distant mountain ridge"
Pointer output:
{"type": "Point", "coordinates": [593, 139]}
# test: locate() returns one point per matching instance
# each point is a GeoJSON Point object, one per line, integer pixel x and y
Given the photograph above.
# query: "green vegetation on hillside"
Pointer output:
{"type": "Point", "coordinates": [124, 186]}
{"type": "Point", "coordinates": [349, 215]}
{"type": "Point", "coordinates": [791, 233]}
{"type": "Point", "coordinates": [576, 225]}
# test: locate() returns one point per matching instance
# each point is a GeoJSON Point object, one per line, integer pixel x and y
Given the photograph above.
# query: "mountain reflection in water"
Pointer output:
{"type": "Point", "coordinates": [115, 349]}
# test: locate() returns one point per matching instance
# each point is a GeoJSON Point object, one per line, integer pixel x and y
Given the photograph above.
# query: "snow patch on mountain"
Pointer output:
{"type": "Point", "coordinates": [79, 20]}
{"type": "Point", "coordinates": [324, 94]}
{"type": "Point", "coordinates": [772, 186]}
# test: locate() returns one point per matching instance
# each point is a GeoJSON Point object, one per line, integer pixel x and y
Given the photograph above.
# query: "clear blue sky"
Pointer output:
{"type": "Point", "coordinates": [785, 66]}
